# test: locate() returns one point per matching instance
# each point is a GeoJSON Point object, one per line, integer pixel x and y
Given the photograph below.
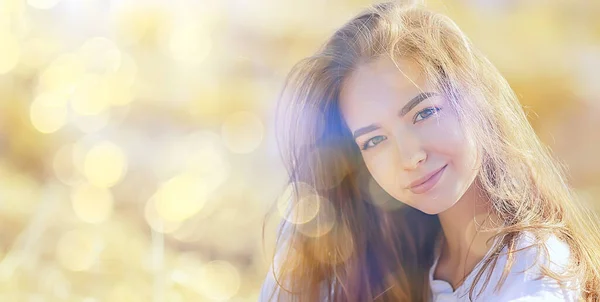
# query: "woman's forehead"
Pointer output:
{"type": "Point", "coordinates": [380, 85]}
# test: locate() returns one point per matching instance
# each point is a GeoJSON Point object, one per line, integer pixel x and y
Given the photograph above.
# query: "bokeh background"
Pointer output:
{"type": "Point", "coordinates": [137, 150]}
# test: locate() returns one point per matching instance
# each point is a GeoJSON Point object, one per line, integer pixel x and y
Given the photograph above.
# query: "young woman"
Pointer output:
{"type": "Point", "coordinates": [415, 176]}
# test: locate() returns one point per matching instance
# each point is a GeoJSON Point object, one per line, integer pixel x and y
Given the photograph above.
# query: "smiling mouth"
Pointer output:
{"type": "Point", "coordinates": [429, 183]}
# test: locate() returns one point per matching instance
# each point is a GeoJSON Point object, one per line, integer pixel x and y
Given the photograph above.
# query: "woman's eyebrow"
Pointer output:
{"type": "Point", "coordinates": [406, 109]}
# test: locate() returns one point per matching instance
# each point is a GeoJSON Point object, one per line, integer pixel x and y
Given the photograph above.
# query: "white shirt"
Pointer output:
{"type": "Point", "coordinates": [519, 284]}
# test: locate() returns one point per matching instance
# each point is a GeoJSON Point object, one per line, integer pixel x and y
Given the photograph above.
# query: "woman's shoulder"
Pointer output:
{"type": "Point", "coordinates": [526, 280]}
{"type": "Point", "coordinates": [552, 252]}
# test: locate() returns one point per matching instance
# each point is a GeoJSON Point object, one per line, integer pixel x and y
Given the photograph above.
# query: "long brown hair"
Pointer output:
{"type": "Point", "coordinates": [342, 237]}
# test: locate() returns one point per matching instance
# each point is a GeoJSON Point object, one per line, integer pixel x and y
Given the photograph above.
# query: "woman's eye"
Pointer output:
{"type": "Point", "coordinates": [366, 145]}
{"type": "Point", "coordinates": [425, 113]}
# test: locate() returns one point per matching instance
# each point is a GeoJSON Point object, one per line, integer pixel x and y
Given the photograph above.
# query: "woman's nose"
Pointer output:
{"type": "Point", "coordinates": [410, 150]}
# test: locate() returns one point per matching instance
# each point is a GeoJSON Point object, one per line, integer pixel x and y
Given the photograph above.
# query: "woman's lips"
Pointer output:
{"type": "Point", "coordinates": [429, 183]}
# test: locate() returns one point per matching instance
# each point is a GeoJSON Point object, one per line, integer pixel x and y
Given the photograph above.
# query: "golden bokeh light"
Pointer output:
{"type": "Point", "coordinates": [8, 7]}
{"type": "Point", "coordinates": [181, 197]}
{"type": "Point", "coordinates": [10, 51]}
{"type": "Point", "coordinates": [322, 223]}
{"type": "Point", "coordinates": [62, 74]}
{"type": "Point", "coordinates": [200, 153]}
{"type": "Point", "coordinates": [299, 206]}
{"type": "Point", "coordinates": [219, 280]}
{"type": "Point", "coordinates": [305, 210]}
{"type": "Point", "coordinates": [92, 204]}
{"type": "Point", "coordinates": [204, 156]}
{"type": "Point", "coordinates": [118, 239]}
{"type": "Point", "coordinates": [206, 102]}
{"type": "Point", "coordinates": [124, 293]}
{"type": "Point", "coordinates": [122, 81]}
{"type": "Point", "coordinates": [127, 71]}
{"type": "Point", "coordinates": [48, 112]}
{"type": "Point", "coordinates": [174, 295]}
{"type": "Point", "coordinates": [242, 132]}
{"type": "Point", "coordinates": [186, 40]}
{"type": "Point", "coordinates": [63, 165]}
{"type": "Point", "coordinates": [187, 271]}
{"type": "Point", "coordinates": [79, 152]}
{"type": "Point", "coordinates": [187, 233]}
{"type": "Point", "coordinates": [204, 152]}
{"type": "Point", "coordinates": [100, 55]}
{"type": "Point", "coordinates": [91, 95]}
{"type": "Point", "coordinates": [191, 230]}
{"type": "Point", "coordinates": [138, 24]}
{"type": "Point", "coordinates": [43, 4]}
{"type": "Point", "coordinates": [54, 281]}
{"type": "Point", "coordinates": [79, 249]}
{"type": "Point", "coordinates": [20, 195]}
{"type": "Point", "coordinates": [90, 123]}
{"type": "Point", "coordinates": [38, 51]}
{"type": "Point", "coordinates": [121, 93]}
{"type": "Point", "coordinates": [155, 221]}
{"type": "Point", "coordinates": [105, 164]}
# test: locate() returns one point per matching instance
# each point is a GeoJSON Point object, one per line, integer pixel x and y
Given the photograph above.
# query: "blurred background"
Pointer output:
{"type": "Point", "coordinates": [137, 150]}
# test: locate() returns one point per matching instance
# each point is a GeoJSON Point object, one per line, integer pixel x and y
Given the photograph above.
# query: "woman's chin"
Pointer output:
{"type": "Point", "coordinates": [433, 207]}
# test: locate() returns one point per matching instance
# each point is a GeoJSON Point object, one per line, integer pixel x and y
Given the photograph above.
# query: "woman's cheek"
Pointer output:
{"type": "Point", "coordinates": [444, 129]}
{"type": "Point", "coordinates": [382, 166]}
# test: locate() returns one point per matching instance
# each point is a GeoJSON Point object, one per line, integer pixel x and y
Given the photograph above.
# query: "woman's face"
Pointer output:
{"type": "Point", "coordinates": [406, 134]}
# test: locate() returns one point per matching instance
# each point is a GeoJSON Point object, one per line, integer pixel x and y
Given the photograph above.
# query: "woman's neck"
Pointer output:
{"type": "Point", "coordinates": [463, 227]}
